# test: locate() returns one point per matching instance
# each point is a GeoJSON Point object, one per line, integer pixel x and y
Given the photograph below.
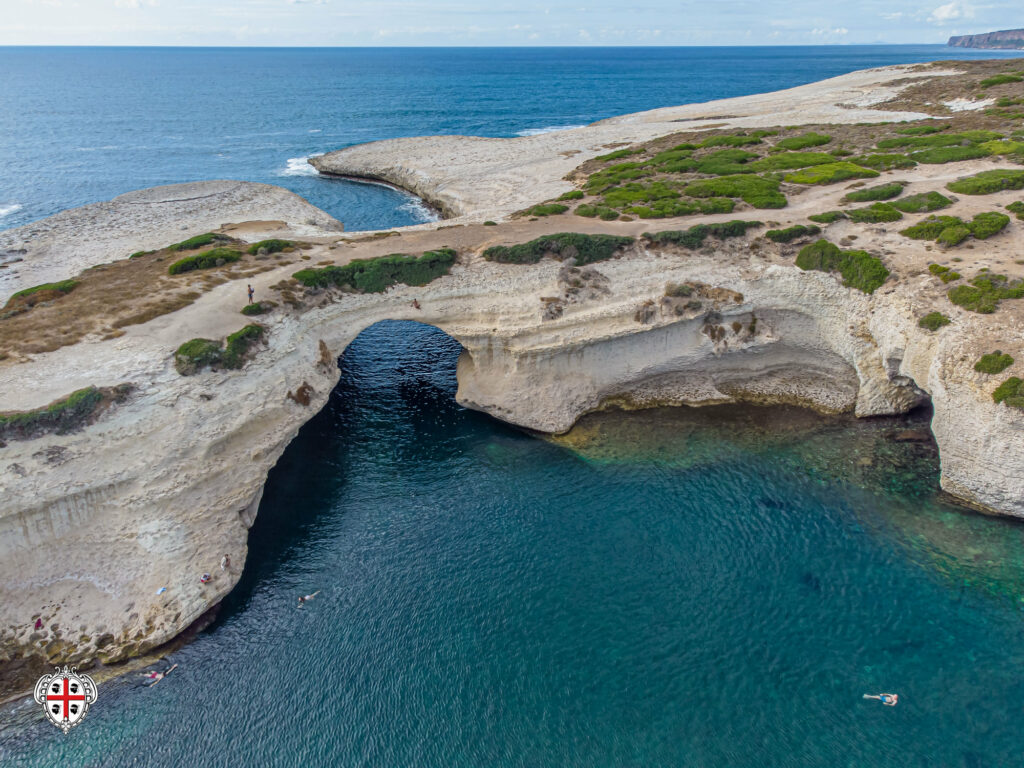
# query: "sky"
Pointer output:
{"type": "Point", "coordinates": [497, 22]}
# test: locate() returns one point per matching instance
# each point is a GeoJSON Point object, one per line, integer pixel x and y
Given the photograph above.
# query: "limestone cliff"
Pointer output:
{"type": "Point", "coordinates": [1007, 38]}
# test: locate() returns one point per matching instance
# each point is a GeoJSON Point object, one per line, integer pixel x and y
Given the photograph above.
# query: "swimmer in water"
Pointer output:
{"type": "Point", "coordinates": [307, 598]}
{"type": "Point", "coordinates": [889, 699]}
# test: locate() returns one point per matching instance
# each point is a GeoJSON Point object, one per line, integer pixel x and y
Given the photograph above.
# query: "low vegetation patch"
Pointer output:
{"type": "Point", "coordinates": [945, 274]}
{"type": "Point", "coordinates": [940, 155]}
{"type": "Point", "coordinates": [989, 82]}
{"type": "Point", "coordinates": [694, 236]}
{"type": "Point", "coordinates": [378, 274]}
{"type": "Point", "coordinates": [884, 162]}
{"type": "Point", "coordinates": [931, 227]}
{"type": "Point", "coordinates": [29, 297]}
{"type": "Point", "coordinates": [921, 130]}
{"type": "Point", "coordinates": [988, 182]}
{"type": "Point", "coordinates": [270, 246]}
{"type": "Point", "coordinates": [993, 362]}
{"type": "Point", "coordinates": [933, 321]}
{"type": "Point", "coordinates": [585, 249]}
{"type": "Point", "coordinates": [547, 209]}
{"type": "Point", "coordinates": [925, 202]}
{"type": "Point", "coordinates": [785, 161]}
{"type": "Point", "coordinates": [953, 236]}
{"type": "Point", "coordinates": [830, 173]}
{"type": "Point", "coordinates": [195, 355]}
{"type": "Point", "coordinates": [1017, 208]}
{"type": "Point", "coordinates": [803, 141]}
{"type": "Point", "coordinates": [597, 211]}
{"type": "Point", "coordinates": [198, 242]}
{"type": "Point", "coordinates": [576, 194]}
{"type": "Point", "coordinates": [258, 308]}
{"type": "Point", "coordinates": [1010, 392]}
{"type": "Point", "coordinates": [828, 217]}
{"type": "Point", "coordinates": [876, 213]}
{"type": "Point", "coordinates": [215, 257]}
{"type": "Point", "coordinates": [870, 194]}
{"type": "Point", "coordinates": [735, 140]}
{"type": "Point", "coordinates": [964, 138]}
{"type": "Point", "coordinates": [984, 225]}
{"type": "Point", "coordinates": [792, 233]}
{"type": "Point", "coordinates": [61, 416]}
{"type": "Point", "coordinates": [858, 269]}
{"type": "Point", "coordinates": [985, 292]}
{"type": "Point", "coordinates": [617, 155]}
{"type": "Point", "coordinates": [754, 190]}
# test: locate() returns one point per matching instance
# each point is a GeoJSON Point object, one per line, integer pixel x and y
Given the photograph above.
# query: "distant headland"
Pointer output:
{"type": "Point", "coordinates": [1007, 38]}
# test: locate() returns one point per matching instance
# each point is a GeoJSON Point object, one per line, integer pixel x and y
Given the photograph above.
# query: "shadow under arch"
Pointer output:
{"type": "Point", "coordinates": [393, 406]}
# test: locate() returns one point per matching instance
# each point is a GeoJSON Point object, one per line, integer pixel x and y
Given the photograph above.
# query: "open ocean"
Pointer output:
{"type": "Point", "coordinates": [681, 588]}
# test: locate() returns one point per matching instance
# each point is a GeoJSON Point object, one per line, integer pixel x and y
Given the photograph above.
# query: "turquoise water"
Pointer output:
{"type": "Point", "coordinates": [663, 588]}
{"type": "Point", "coordinates": [80, 125]}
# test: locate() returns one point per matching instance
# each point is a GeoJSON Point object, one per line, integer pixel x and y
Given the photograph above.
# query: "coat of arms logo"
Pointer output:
{"type": "Point", "coordinates": [66, 696]}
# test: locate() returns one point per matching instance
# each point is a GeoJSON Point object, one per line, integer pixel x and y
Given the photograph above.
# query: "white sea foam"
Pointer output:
{"type": "Point", "coordinates": [106, 148]}
{"type": "Point", "coordinates": [420, 210]}
{"type": "Point", "coordinates": [546, 129]}
{"type": "Point", "coordinates": [6, 209]}
{"type": "Point", "coordinates": [298, 166]}
{"type": "Point", "coordinates": [315, 130]}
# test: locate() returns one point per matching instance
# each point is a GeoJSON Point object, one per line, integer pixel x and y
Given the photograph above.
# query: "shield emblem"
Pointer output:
{"type": "Point", "coordinates": [65, 697]}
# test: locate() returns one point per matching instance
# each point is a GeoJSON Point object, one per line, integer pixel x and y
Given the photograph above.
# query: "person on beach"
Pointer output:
{"type": "Point", "coordinates": [39, 623]}
{"type": "Point", "coordinates": [251, 293]}
{"type": "Point", "coordinates": [225, 562]}
{"type": "Point", "coordinates": [307, 598]}
{"type": "Point", "coordinates": [204, 578]}
{"type": "Point", "coordinates": [889, 699]}
{"type": "Point", "coordinates": [415, 303]}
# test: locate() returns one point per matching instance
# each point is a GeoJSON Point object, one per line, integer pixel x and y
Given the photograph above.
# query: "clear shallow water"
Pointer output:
{"type": "Point", "coordinates": [665, 588]}
{"type": "Point", "coordinates": [80, 125]}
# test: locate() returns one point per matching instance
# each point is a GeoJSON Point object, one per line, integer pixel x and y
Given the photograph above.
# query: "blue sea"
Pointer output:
{"type": "Point", "coordinates": [704, 588]}
{"type": "Point", "coordinates": [82, 125]}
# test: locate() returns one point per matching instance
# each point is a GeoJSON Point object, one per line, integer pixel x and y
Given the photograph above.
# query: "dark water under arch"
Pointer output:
{"type": "Point", "coordinates": [663, 588]}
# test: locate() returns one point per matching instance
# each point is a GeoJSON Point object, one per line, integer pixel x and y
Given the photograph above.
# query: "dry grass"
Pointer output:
{"type": "Point", "coordinates": [111, 297]}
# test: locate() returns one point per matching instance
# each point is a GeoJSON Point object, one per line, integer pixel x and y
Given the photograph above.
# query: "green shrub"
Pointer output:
{"type": "Point", "coordinates": [988, 182]}
{"type": "Point", "coordinates": [196, 354]}
{"type": "Point", "coordinates": [940, 155]}
{"type": "Point", "coordinates": [921, 130]}
{"type": "Point", "coordinates": [875, 213]}
{"type": "Point", "coordinates": [828, 217]}
{"type": "Point", "coordinates": [258, 308]}
{"type": "Point", "coordinates": [791, 233]}
{"type": "Point", "coordinates": [945, 274]}
{"type": "Point", "coordinates": [988, 82]}
{"type": "Point", "coordinates": [695, 236]}
{"type": "Point", "coordinates": [784, 161]}
{"type": "Point", "coordinates": [985, 292]}
{"type": "Point", "coordinates": [953, 236]}
{"type": "Point", "coordinates": [678, 290]}
{"type": "Point", "coordinates": [617, 155]}
{"type": "Point", "coordinates": [1017, 208]}
{"type": "Point", "coordinates": [994, 362]}
{"type": "Point", "coordinates": [616, 174]}
{"type": "Point", "coordinates": [984, 225]}
{"type": "Point", "coordinates": [883, 162]}
{"type": "Point", "coordinates": [585, 249]}
{"type": "Point", "coordinates": [737, 140]}
{"type": "Point", "coordinates": [830, 173]}
{"type": "Point", "coordinates": [881, 192]}
{"type": "Point", "coordinates": [238, 344]}
{"type": "Point", "coordinates": [271, 246]}
{"type": "Point", "coordinates": [548, 209]}
{"type": "Point", "coordinates": [925, 202]}
{"type": "Point", "coordinates": [59, 417]}
{"type": "Point", "coordinates": [939, 140]}
{"type": "Point", "coordinates": [592, 211]}
{"type": "Point", "coordinates": [725, 162]}
{"type": "Point", "coordinates": [755, 190]}
{"type": "Point", "coordinates": [1010, 392]}
{"type": "Point", "coordinates": [140, 254]}
{"type": "Point", "coordinates": [1003, 147]}
{"type": "Point", "coordinates": [933, 321]}
{"type": "Point", "coordinates": [378, 274]}
{"type": "Point", "coordinates": [636, 192]}
{"type": "Point", "coordinates": [28, 297]}
{"type": "Point", "coordinates": [575, 194]}
{"type": "Point", "coordinates": [858, 269]}
{"type": "Point", "coordinates": [215, 257]}
{"type": "Point", "coordinates": [931, 227]}
{"type": "Point", "coordinates": [804, 141]}
{"type": "Point", "coordinates": [197, 242]}
{"type": "Point", "coordinates": [490, 223]}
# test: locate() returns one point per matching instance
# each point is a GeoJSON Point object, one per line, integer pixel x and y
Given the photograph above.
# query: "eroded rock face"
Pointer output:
{"type": "Point", "coordinates": [153, 494]}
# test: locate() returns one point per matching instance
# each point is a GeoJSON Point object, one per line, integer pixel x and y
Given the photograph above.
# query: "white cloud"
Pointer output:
{"type": "Point", "coordinates": [135, 3]}
{"type": "Point", "coordinates": [834, 32]}
{"type": "Point", "coordinates": [951, 12]}
{"type": "Point", "coordinates": [310, 2]}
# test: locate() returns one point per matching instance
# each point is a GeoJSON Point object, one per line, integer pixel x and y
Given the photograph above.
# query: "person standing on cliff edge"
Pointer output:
{"type": "Point", "coordinates": [251, 293]}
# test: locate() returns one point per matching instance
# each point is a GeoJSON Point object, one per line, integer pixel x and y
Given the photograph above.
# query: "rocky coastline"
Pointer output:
{"type": "Point", "coordinates": [107, 525]}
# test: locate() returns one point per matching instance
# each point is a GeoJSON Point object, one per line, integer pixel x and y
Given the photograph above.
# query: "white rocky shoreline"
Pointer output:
{"type": "Point", "coordinates": [95, 522]}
